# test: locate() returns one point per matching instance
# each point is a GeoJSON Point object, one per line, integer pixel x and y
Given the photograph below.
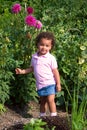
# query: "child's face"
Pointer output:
{"type": "Point", "coordinates": [44, 46]}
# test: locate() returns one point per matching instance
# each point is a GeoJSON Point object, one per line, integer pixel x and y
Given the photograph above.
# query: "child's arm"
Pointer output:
{"type": "Point", "coordinates": [57, 78]}
{"type": "Point", "coordinates": [24, 71]}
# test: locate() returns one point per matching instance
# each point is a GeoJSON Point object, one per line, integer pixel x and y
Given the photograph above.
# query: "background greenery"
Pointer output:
{"type": "Point", "coordinates": [67, 19]}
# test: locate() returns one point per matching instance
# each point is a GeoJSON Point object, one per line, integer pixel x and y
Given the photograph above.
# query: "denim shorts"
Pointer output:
{"type": "Point", "coordinates": [48, 90]}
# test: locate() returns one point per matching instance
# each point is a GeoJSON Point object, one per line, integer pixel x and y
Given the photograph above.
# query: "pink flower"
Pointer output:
{"type": "Point", "coordinates": [30, 10]}
{"type": "Point", "coordinates": [16, 8]}
{"type": "Point", "coordinates": [38, 24]}
{"type": "Point", "coordinates": [30, 20]}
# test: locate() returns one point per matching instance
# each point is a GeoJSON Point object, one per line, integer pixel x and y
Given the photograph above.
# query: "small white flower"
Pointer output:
{"type": "Point", "coordinates": [25, 28]}
{"type": "Point", "coordinates": [32, 121]}
{"type": "Point", "coordinates": [82, 48]}
{"type": "Point", "coordinates": [61, 30]}
{"type": "Point", "coordinates": [81, 61]}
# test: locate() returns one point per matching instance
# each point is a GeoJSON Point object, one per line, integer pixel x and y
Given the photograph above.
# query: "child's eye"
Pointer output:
{"type": "Point", "coordinates": [47, 45]}
{"type": "Point", "coordinates": [41, 44]}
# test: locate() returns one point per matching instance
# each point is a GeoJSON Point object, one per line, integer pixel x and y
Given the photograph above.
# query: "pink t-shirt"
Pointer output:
{"type": "Point", "coordinates": [43, 66]}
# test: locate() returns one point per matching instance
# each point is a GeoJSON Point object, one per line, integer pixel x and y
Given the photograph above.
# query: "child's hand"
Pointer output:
{"type": "Point", "coordinates": [58, 88]}
{"type": "Point", "coordinates": [18, 71]}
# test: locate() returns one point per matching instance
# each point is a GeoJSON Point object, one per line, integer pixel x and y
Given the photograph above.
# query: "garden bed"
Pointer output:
{"type": "Point", "coordinates": [15, 117]}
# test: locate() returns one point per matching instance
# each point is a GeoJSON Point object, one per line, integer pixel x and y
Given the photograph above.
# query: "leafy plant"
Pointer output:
{"type": "Point", "coordinates": [78, 119]}
{"type": "Point", "coordinates": [2, 108]}
{"type": "Point", "coordinates": [35, 124]}
{"type": "Point", "coordinates": [17, 46]}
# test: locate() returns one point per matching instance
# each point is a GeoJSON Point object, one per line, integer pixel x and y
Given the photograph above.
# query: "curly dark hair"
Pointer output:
{"type": "Point", "coordinates": [47, 35]}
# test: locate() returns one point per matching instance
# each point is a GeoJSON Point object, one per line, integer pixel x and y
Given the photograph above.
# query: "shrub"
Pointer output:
{"type": "Point", "coordinates": [17, 45]}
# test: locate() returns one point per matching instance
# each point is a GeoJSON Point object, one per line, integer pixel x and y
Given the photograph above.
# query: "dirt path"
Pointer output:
{"type": "Point", "coordinates": [15, 118]}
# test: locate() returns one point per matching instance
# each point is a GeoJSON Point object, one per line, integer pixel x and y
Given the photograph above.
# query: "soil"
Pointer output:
{"type": "Point", "coordinates": [15, 117]}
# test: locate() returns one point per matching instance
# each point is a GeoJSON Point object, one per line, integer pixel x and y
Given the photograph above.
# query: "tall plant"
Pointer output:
{"type": "Point", "coordinates": [26, 27]}
{"type": "Point", "coordinates": [77, 119]}
{"type": "Point", "coordinates": [17, 46]}
{"type": "Point", "coordinates": [78, 114]}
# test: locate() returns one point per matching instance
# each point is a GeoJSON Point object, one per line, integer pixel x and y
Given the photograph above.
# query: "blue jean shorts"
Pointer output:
{"type": "Point", "coordinates": [48, 90]}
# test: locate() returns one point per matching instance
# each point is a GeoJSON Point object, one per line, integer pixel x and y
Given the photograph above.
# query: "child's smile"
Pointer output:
{"type": "Point", "coordinates": [44, 46]}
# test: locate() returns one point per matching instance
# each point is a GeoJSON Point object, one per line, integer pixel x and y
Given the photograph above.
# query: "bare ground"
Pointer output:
{"type": "Point", "coordinates": [15, 118]}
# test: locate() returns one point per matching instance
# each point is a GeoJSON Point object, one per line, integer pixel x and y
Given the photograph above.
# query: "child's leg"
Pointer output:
{"type": "Point", "coordinates": [51, 104]}
{"type": "Point", "coordinates": [43, 102]}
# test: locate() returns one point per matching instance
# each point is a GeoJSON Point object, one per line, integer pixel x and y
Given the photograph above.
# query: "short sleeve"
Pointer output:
{"type": "Point", "coordinates": [53, 63]}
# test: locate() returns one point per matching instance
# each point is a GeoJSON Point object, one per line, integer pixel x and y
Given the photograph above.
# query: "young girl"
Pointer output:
{"type": "Point", "coordinates": [44, 66]}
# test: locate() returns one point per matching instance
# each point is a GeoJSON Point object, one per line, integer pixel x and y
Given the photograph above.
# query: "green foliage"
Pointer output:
{"type": "Point", "coordinates": [78, 118]}
{"type": "Point", "coordinates": [17, 46]}
{"type": "Point", "coordinates": [68, 21]}
{"type": "Point", "coordinates": [2, 108]}
{"type": "Point", "coordinates": [35, 124]}
{"type": "Point", "coordinates": [5, 63]}
{"type": "Point", "coordinates": [60, 98]}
